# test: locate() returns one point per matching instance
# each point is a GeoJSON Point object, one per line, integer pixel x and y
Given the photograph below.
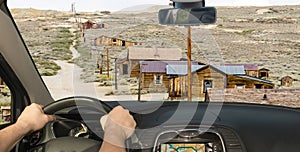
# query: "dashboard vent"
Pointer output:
{"type": "Point", "coordinates": [232, 142]}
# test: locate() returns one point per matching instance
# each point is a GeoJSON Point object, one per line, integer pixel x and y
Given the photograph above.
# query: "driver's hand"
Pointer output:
{"type": "Point", "coordinates": [33, 118]}
{"type": "Point", "coordinates": [119, 126]}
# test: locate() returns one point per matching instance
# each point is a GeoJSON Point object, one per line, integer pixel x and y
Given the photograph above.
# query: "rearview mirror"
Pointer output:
{"type": "Point", "coordinates": [194, 16]}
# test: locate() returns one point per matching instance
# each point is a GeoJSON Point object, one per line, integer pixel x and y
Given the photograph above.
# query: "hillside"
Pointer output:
{"type": "Point", "coordinates": [266, 36]}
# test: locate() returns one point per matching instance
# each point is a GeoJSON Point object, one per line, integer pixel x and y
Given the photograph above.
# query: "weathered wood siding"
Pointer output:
{"type": "Point", "coordinates": [149, 82]}
{"type": "Point", "coordinates": [107, 41]}
{"type": "Point", "coordinates": [134, 69]}
{"type": "Point", "coordinates": [198, 78]}
{"type": "Point", "coordinates": [217, 78]}
{"type": "Point", "coordinates": [175, 87]}
{"type": "Point", "coordinates": [253, 73]}
{"type": "Point", "coordinates": [263, 73]}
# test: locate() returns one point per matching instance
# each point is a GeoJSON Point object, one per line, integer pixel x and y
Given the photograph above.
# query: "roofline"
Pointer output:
{"type": "Point", "coordinates": [211, 66]}
{"type": "Point", "coordinates": [207, 66]}
{"type": "Point", "coordinates": [265, 81]}
{"type": "Point", "coordinates": [264, 69]}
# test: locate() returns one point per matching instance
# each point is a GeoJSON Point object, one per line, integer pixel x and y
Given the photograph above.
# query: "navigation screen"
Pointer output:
{"type": "Point", "coordinates": [182, 148]}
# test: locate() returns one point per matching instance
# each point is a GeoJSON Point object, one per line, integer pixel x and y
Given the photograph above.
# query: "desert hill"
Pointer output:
{"type": "Point", "coordinates": [266, 36]}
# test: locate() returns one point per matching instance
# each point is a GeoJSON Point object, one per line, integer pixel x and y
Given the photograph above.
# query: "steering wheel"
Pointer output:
{"type": "Point", "coordinates": [73, 143]}
{"type": "Point", "coordinates": [77, 101]}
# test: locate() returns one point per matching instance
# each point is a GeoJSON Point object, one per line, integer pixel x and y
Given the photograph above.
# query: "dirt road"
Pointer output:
{"type": "Point", "coordinates": [67, 83]}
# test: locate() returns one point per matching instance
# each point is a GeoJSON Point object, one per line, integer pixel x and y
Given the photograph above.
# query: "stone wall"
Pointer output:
{"type": "Point", "coordinates": [282, 97]}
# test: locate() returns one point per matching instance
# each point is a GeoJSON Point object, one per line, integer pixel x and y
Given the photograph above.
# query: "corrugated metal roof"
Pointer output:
{"type": "Point", "coordinates": [255, 78]}
{"type": "Point", "coordinates": [231, 69]}
{"type": "Point", "coordinates": [139, 53]}
{"type": "Point", "coordinates": [182, 69]}
{"type": "Point", "coordinates": [248, 67]}
{"type": "Point", "coordinates": [153, 67]}
{"type": "Point", "coordinates": [160, 66]}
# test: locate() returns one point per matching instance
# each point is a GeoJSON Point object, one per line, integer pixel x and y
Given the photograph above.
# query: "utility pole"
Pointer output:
{"type": "Point", "coordinates": [189, 55]}
{"type": "Point", "coordinates": [101, 64]}
{"type": "Point", "coordinates": [140, 82]}
{"type": "Point", "coordinates": [107, 62]}
{"type": "Point", "coordinates": [73, 9]}
{"type": "Point", "coordinates": [116, 74]}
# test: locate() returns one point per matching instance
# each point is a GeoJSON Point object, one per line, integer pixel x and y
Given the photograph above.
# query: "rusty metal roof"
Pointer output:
{"type": "Point", "coordinates": [162, 54]}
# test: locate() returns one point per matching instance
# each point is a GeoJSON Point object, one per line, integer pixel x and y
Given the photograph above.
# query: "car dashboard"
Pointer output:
{"type": "Point", "coordinates": [173, 126]}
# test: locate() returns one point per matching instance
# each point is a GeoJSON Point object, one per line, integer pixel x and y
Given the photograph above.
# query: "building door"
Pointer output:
{"type": "Point", "coordinates": [207, 84]}
{"type": "Point", "coordinates": [258, 86]}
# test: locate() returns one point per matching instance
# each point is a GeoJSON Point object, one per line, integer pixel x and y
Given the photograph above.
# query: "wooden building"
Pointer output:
{"type": "Point", "coordinates": [210, 76]}
{"type": "Point", "coordinates": [153, 74]}
{"type": "Point", "coordinates": [245, 81]}
{"type": "Point", "coordinates": [263, 73]}
{"type": "Point", "coordinates": [177, 79]}
{"type": "Point", "coordinates": [87, 25]}
{"type": "Point", "coordinates": [110, 41]}
{"type": "Point", "coordinates": [287, 81]}
{"type": "Point", "coordinates": [253, 71]}
{"type": "Point", "coordinates": [131, 65]}
{"type": "Point", "coordinates": [91, 25]}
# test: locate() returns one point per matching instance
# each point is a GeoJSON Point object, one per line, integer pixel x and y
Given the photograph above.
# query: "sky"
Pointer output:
{"type": "Point", "coordinates": [115, 5]}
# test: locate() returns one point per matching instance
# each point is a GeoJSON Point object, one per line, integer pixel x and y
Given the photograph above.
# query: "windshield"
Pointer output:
{"type": "Point", "coordinates": [121, 52]}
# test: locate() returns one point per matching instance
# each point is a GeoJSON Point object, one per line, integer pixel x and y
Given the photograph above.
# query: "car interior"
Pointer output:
{"type": "Point", "coordinates": [162, 126]}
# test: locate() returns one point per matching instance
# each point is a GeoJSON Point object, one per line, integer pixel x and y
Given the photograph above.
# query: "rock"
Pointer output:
{"type": "Point", "coordinates": [241, 20]}
{"type": "Point", "coordinates": [264, 11]}
{"type": "Point", "coordinates": [275, 20]}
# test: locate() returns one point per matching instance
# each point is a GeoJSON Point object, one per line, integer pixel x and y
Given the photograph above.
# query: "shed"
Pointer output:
{"type": "Point", "coordinates": [287, 81]}
{"type": "Point", "coordinates": [263, 73]}
{"type": "Point", "coordinates": [112, 41]}
{"type": "Point", "coordinates": [88, 24]}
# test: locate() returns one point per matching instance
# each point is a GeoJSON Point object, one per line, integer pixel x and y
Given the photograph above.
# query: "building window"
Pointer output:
{"type": "Point", "coordinates": [158, 79]}
{"type": "Point", "coordinates": [207, 84]}
{"type": "Point", "coordinates": [263, 74]}
{"type": "Point", "coordinates": [125, 68]}
{"type": "Point", "coordinates": [240, 86]}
